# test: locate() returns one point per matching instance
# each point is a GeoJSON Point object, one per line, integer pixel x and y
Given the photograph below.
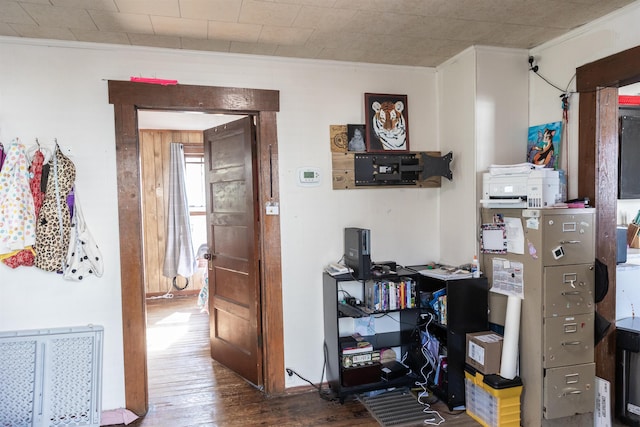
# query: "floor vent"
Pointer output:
{"type": "Point", "coordinates": [51, 377]}
{"type": "Point", "coordinates": [396, 408]}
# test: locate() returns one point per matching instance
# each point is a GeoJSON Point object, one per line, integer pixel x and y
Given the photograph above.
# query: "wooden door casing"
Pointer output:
{"type": "Point", "coordinates": [127, 98]}
{"type": "Point", "coordinates": [598, 83]}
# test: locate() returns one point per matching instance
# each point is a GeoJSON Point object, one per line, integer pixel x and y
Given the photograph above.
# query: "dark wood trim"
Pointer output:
{"type": "Point", "coordinates": [598, 84]}
{"type": "Point", "coordinates": [133, 292]}
{"type": "Point", "coordinates": [272, 321]}
{"type": "Point", "coordinates": [616, 70]}
{"type": "Point", "coordinates": [193, 98]}
{"type": "Point", "coordinates": [127, 98]}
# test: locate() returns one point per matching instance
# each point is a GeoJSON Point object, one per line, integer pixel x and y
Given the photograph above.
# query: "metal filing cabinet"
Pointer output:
{"type": "Point", "coordinates": [556, 356]}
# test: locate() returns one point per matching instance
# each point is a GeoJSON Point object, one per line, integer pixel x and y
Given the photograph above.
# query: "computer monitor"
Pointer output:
{"type": "Point", "coordinates": [357, 251]}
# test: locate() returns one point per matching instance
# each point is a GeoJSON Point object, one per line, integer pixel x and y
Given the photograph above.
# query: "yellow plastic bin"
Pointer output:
{"type": "Point", "coordinates": [491, 400]}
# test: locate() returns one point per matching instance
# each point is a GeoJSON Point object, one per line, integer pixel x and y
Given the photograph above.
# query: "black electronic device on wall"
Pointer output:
{"type": "Point", "coordinates": [628, 171]}
{"type": "Point", "coordinates": [376, 169]}
{"type": "Point", "coordinates": [357, 251]}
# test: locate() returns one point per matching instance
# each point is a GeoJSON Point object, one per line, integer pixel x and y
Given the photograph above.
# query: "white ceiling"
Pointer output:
{"type": "Point", "coordinates": [148, 119]}
{"type": "Point", "coordinates": [404, 32]}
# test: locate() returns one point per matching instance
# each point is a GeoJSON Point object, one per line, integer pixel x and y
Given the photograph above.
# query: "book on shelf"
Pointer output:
{"type": "Point", "coordinates": [359, 347]}
{"type": "Point", "coordinates": [384, 295]}
{"type": "Point", "coordinates": [352, 345]}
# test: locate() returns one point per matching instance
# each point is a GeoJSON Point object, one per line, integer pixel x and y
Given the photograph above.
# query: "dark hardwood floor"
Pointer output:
{"type": "Point", "coordinates": [188, 388]}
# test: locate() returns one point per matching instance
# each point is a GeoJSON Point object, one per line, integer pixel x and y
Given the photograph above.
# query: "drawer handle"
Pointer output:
{"type": "Point", "coordinates": [568, 393]}
{"type": "Point", "coordinates": [571, 293]}
{"type": "Point", "coordinates": [564, 343]}
{"type": "Point", "coordinates": [572, 378]}
{"type": "Point", "coordinates": [569, 242]}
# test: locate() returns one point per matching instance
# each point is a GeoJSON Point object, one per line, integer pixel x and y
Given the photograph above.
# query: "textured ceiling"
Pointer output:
{"type": "Point", "coordinates": [406, 32]}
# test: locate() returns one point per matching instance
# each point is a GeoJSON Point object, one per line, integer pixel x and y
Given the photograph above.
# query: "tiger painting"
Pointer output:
{"type": "Point", "coordinates": [389, 124]}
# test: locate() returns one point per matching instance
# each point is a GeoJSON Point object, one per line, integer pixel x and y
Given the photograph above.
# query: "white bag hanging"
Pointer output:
{"type": "Point", "coordinates": [83, 256]}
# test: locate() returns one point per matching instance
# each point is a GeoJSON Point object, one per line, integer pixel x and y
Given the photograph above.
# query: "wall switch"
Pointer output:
{"type": "Point", "coordinates": [273, 208]}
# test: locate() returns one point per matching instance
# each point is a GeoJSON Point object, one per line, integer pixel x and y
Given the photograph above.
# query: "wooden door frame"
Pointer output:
{"type": "Point", "coordinates": [127, 98]}
{"type": "Point", "coordinates": [597, 84]}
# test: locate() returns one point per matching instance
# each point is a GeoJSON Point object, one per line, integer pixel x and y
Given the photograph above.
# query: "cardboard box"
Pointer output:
{"type": "Point", "coordinates": [484, 351]}
{"type": "Point", "coordinates": [633, 239]}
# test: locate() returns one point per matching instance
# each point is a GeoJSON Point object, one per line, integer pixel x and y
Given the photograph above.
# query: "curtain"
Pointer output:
{"type": "Point", "coordinates": [179, 258]}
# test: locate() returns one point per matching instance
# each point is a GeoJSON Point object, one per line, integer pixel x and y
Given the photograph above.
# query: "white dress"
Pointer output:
{"type": "Point", "coordinates": [17, 211]}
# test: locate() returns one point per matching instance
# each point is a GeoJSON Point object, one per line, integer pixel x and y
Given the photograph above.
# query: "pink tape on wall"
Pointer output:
{"type": "Point", "coordinates": [163, 82]}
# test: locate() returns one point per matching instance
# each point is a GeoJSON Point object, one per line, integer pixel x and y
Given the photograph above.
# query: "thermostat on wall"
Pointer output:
{"type": "Point", "coordinates": [308, 177]}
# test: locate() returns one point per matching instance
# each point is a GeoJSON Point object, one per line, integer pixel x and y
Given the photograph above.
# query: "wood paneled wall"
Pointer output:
{"type": "Point", "coordinates": [154, 165]}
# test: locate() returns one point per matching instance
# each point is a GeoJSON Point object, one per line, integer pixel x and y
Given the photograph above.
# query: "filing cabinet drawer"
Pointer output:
{"type": "Point", "coordinates": [569, 390]}
{"type": "Point", "coordinates": [568, 340]}
{"type": "Point", "coordinates": [568, 239]}
{"type": "Point", "coordinates": [568, 290]}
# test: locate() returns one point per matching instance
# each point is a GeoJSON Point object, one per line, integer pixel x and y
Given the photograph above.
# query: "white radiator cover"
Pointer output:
{"type": "Point", "coordinates": [51, 377]}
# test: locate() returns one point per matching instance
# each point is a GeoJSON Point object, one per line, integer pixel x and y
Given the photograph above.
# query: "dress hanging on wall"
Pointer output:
{"type": "Point", "coordinates": [3, 155]}
{"type": "Point", "coordinates": [17, 213]}
{"type": "Point", "coordinates": [54, 221]}
{"type": "Point", "coordinates": [179, 258]}
{"type": "Point", "coordinates": [26, 257]}
{"type": "Point", "coordinates": [83, 257]}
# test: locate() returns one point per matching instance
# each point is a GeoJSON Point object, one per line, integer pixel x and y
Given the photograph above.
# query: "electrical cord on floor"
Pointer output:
{"type": "Point", "coordinates": [167, 295]}
{"type": "Point", "coordinates": [430, 361]}
{"type": "Point", "coordinates": [326, 395]}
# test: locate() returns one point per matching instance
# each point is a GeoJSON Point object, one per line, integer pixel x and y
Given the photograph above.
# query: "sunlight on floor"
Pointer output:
{"type": "Point", "coordinates": [167, 331]}
{"type": "Point", "coordinates": [176, 317]}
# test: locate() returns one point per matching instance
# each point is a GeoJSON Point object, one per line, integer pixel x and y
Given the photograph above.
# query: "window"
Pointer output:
{"type": "Point", "coordinates": [195, 187]}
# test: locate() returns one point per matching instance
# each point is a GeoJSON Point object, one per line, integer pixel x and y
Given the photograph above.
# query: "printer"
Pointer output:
{"type": "Point", "coordinates": [533, 188]}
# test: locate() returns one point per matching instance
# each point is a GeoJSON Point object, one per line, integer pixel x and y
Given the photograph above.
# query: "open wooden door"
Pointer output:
{"type": "Point", "coordinates": [233, 240]}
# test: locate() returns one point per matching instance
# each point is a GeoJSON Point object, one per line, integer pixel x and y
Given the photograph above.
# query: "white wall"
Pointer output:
{"type": "Point", "coordinates": [483, 113]}
{"type": "Point", "coordinates": [558, 60]}
{"type": "Point", "coordinates": [59, 90]}
{"type": "Point", "coordinates": [457, 116]}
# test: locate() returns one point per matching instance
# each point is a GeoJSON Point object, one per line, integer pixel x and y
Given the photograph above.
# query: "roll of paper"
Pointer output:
{"type": "Point", "coordinates": [509, 362]}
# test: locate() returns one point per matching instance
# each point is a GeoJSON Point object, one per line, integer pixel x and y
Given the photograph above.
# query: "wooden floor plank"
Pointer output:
{"type": "Point", "coordinates": [187, 388]}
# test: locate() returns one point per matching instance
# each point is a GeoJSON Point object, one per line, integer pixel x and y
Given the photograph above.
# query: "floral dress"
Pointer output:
{"type": "Point", "coordinates": [26, 257]}
{"type": "Point", "coordinates": [17, 213]}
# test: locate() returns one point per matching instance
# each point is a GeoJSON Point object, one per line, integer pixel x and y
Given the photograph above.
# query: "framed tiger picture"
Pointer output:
{"type": "Point", "coordinates": [387, 122]}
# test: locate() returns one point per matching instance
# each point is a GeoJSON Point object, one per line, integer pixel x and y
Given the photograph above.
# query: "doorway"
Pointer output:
{"type": "Point", "coordinates": [598, 83]}
{"type": "Point", "coordinates": [128, 98]}
{"type": "Point", "coordinates": [158, 132]}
